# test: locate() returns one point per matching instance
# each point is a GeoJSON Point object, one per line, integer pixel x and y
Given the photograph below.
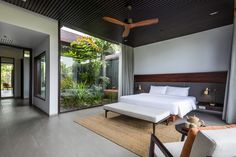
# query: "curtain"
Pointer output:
{"type": "Point", "coordinates": [226, 96]}
{"type": "Point", "coordinates": [127, 70]}
{"type": "Point", "coordinates": [229, 114]}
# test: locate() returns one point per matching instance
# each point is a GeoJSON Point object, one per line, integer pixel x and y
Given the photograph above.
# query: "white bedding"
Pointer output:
{"type": "Point", "coordinates": [177, 105]}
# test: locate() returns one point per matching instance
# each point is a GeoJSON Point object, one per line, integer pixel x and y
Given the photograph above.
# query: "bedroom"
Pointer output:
{"type": "Point", "coordinates": [173, 75]}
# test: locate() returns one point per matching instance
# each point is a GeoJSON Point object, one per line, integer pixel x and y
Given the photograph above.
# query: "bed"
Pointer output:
{"type": "Point", "coordinates": [177, 105]}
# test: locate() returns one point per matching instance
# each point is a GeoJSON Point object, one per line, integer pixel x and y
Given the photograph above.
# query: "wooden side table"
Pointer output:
{"type": "Point", "coordinates": [179, 128]}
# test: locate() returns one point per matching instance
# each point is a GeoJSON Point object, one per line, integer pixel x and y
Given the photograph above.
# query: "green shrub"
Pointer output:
{"type": "Point", "coordinates": [67, 83]}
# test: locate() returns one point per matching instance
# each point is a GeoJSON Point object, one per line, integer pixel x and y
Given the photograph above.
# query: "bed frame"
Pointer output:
{"type": "Point", "coordinates": [173, 118]}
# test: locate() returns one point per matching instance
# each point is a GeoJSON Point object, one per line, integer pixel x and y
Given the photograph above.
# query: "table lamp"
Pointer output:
{"type": "Point", "coordinates": [207, 92]}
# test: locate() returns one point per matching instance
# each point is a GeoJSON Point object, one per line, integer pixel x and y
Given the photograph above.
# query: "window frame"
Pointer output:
{"type": "Point", "coordinates": [37, 76]}
{"type": "Point", "coordinates": [26, 54]}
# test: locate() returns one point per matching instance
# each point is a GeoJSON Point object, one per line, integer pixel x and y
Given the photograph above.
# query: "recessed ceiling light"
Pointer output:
{"type": "Point", "coordinates": [129, 7]}
{"type": "Point", "coordinates": [213, 13]}
{"type": "Point", "coordinates": [23, 0]}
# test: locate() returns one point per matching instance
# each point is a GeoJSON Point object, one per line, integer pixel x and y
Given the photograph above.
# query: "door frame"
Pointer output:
{"type": "Point", "coordinates": [30, 66]}
{"type": "Point", "coordinates": [13, 77]}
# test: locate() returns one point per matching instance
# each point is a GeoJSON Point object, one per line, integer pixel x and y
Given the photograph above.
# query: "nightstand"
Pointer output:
{"type": "Point", "coordinates": [205, 106]}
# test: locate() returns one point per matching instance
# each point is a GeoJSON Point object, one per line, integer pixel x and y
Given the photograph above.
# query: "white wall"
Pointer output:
{"type": "Point", "coordinates": [43, 47]}
{"type": "Point", "coordinates": [17, 54]}
{"type": "Point", "coordinates": [20, 17]}
{"type": "Point", "coordinates": [206, 51]}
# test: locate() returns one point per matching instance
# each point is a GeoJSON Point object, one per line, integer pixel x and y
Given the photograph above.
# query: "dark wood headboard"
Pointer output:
{"type": "Point", "coordinates": [196, 81]}
{"type": "Point", "coordinates": [204, 77]}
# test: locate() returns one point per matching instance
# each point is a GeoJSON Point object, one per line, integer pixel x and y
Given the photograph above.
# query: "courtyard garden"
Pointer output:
{"type": "Point", "coordinates": [87, 75]}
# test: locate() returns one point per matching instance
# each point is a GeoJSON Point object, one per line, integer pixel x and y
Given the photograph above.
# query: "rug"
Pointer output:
{"type": "Point", "coordinates": [130, 133]}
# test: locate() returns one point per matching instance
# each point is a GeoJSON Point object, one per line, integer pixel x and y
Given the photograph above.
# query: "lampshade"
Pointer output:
{"type": "Point", "coordinates": [206, 91]}
{"type": "Point", "coordinates": [139, 87]}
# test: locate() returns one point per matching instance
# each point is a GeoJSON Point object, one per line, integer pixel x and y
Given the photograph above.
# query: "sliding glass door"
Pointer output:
{"type": "Point", "coordinates": [88, 71]}
{"type": "Point", "coordinates": [7, 77]}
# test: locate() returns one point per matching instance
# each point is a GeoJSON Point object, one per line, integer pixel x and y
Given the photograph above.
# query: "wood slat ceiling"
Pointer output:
{"type": "Point", "coordinates": [177, 17]}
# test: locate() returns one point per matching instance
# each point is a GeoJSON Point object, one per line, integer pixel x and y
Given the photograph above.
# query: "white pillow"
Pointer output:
{"type": "Point", "coordinates": [177, 91]}
{"type": "Point", "coordinates": [158, 90]}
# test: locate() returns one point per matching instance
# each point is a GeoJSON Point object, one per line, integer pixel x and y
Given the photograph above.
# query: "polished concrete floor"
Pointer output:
{"type": "Point", "coordinates": [27, 132]}
{"type": "Point", "coordinates": [7, 93]}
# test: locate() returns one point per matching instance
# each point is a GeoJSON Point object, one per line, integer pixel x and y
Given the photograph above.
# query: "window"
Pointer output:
{"type": "Point", "coordinates": [88, 71]}
{"type": "Point", "coordinates": [26, 54]}
{"type": "Point", "coordinates": [40, 76]}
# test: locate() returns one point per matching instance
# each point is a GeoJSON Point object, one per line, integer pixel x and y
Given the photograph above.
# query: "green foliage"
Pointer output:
{"type": "Point", "coordinates": [105, 81]}
{"type": "Point", "coordinates": [83, 96]}
{"type": "Point", "coordinates": [88, 54]}
{"type": "Point", "coordinates": [67, 83]}
{"type": "Point", "coordinates": [97, 94]}
{"type": "Point", "coordinates": [83, 49]}
{"type": "Point", "coordinates": [105, 46]}
{"type": "Point", "coordinates": [6, 74]}
{"type": "Point", "coordinates": [65, 71]}
{"type": "Point", "coordinates": [82, 93]}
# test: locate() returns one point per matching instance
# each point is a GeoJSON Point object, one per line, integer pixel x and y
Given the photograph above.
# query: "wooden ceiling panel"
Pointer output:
{"type": "Point", "coordinates": [177, 17]}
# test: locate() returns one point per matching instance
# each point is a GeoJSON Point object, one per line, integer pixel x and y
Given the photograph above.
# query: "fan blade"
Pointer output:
{"type": "Point", "coordinates": [126, 31]}
{"type": "Point", "coordinates": [145, 23]}
{"type": "Point", "coordinates": [112, 20]}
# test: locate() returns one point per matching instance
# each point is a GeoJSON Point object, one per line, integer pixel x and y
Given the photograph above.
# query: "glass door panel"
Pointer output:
{"type": "Point", "coordinates": [88, 73]}
{"type": "Point", "coordinates": [7, 87]}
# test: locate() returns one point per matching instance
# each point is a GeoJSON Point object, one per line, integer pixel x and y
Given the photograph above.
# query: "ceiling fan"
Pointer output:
{"type": "Point", "coordinates": [129, 25]}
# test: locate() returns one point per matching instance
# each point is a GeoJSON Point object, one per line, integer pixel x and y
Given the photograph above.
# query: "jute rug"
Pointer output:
{"type": "Point", "coordinates": [130, 133]}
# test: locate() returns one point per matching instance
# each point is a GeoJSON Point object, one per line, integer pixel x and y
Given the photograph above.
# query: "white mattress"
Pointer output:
{"type": "Point", "coordinates": [177, 105]}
